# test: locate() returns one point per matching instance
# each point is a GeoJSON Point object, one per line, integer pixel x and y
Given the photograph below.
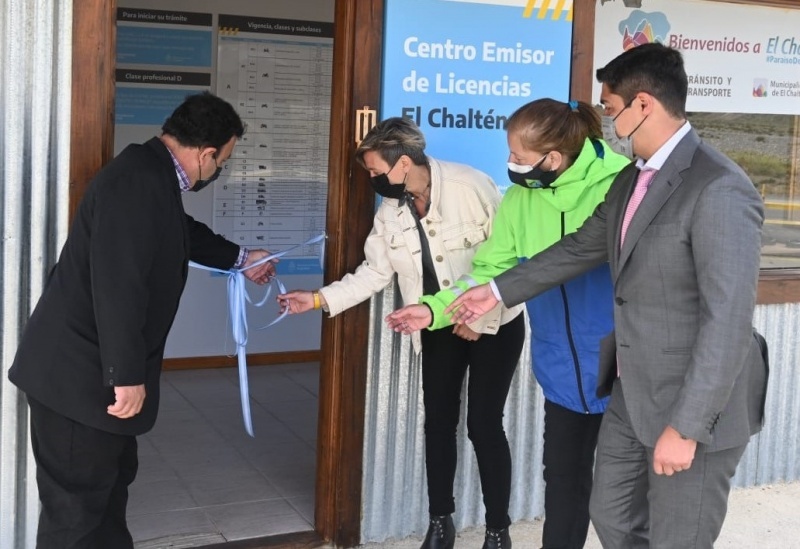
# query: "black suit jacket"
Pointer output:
{"type": "Point", "coordinates": [110, 301]}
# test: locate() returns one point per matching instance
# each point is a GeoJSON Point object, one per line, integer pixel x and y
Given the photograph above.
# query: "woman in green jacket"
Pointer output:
{"type": "Point", "coordinates": [562, 170]}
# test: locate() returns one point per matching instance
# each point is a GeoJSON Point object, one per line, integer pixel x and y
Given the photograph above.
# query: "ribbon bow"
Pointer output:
{"type": "Point", "coordinates": [237, 310]}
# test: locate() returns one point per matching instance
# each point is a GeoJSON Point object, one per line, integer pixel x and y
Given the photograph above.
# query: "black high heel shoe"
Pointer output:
{"type": "Point", "coordinates": [497, 539]}
{"type": "Point", "coordinates": [441, 533]}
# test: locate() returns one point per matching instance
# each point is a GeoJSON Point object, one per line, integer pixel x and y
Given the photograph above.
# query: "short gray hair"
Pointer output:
{"type": "Point", "coordinates": [393, 138]}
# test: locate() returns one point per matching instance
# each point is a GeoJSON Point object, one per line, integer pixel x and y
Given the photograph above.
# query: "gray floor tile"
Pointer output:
{"type": "Point", "coordinates": [303, 505]}
{"type": "Point", "coordinates": [277, 388]}
{"type": "Point", "coordinates": [232, 486]}
{"type": "Point", "coordinates": [306, 375]}
{"type": "Point", "coordinates": [203, 480]}
{"type": "Point", "coordinates": [194, 466]}
{"type": "Point", "coordinates": [155, 469]}
{"type": "Point", "coordinates": [170, 400]}
{"type": "Point", "coordinates": [205, 387]}
{"type": "Point", "coordinates": [154, 526]}
{"type": "Point", "coordinates": [249, 520]}
{"type": "Point", "coordinates": [228, 422]}
{"type": "Point", "coordinates": [300, 368]}
{"type": "Point", "coordinates": [293, 483]}
{"type": "Point", "coordinates": [287, 457]}
{"type": "Point", "coordinates": [146, 449]}
{"type": "Point", "coordinates": [156, 496]}
{"type": "Point", "coordinates": [180, 541]}
{"type": "Point", "coordinates": [191, 434]}
{"type": "Point", "coordinates": [293, 411]}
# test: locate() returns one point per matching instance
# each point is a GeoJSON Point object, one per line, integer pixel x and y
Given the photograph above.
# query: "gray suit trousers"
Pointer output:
{"type": "Point", "coordinates": [632, 507]}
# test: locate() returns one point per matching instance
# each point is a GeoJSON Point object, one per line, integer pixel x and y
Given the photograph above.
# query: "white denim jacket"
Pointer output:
{"type": "Point", "coordinates": [463, 204]}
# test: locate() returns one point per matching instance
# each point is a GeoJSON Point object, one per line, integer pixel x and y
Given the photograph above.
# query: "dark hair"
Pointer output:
{"type": "Point", "coordinates": [393, 138]}
{"type": "Point", "coordinates": [548, 125]}
{"type": "Point", "coordinates": [204, 120]}
{"type": "Point", "coordinates": [651, 68]}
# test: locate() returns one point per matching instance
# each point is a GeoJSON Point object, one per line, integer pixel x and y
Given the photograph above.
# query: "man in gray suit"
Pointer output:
{"type": "Point", "coordinates": [686, 374]}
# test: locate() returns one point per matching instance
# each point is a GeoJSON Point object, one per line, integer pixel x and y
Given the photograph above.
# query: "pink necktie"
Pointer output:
{"type": "Point", "coordinates": [642, 184]}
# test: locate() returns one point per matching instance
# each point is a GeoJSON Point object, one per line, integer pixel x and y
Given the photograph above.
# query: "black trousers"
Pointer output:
{"type": "Point", "coordinates": [492, 360]}
{"type": "Point", "coordinates": [83, 476]}
{"type": "Point", "coordinates": [570, 439]}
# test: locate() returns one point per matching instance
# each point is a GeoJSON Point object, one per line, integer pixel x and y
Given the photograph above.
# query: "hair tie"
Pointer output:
{"type": "Point", "coordinates": [573, 105]}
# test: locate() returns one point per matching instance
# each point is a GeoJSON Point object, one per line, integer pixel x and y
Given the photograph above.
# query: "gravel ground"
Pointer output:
{"type": "Point", "coordinates": [773, 145]}
{"type": "Point", "coordinates": [766, 517]}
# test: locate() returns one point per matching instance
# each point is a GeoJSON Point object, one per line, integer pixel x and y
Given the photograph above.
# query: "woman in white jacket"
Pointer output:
{"type": "Point", "coordinates": [433, 216]}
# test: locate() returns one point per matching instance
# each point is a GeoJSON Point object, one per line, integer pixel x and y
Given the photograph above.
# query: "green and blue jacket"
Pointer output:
{"type": "Point", "coordinates": [567, 322]}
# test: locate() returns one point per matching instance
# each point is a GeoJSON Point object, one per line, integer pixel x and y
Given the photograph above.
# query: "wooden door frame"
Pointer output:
{"type": "Point", "coordinates": [358, 46]}
{"type": "Point", "coordinates": [358, 41]}
{"type": "Point", "coordinates": [93, 60]}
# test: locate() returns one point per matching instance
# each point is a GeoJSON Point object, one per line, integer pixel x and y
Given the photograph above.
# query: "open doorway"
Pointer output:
{"type": "Point", "coordinates": [342, 365]}
{"type": "Point", "coordinates": [202, 479]}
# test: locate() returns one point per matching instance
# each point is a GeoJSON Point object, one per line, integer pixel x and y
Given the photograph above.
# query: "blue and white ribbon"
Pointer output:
{"type": "Point", "coordinates": [237, 310]}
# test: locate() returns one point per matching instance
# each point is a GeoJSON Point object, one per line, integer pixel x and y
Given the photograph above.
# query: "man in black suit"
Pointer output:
{"type": "Point", "coordinates": [90, 357]}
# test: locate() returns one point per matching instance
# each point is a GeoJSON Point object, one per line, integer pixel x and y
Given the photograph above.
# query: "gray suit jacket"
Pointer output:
{"type": "Point", "coordinates": [685, 290]}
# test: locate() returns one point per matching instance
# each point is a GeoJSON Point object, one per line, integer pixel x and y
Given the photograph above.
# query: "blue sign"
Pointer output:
{"type": "Point", "coordinates": [460, 68]}
{"type": "Point", "coordinates": [163, 46]}
{"type": "Point", "coordinates": [145, 105]}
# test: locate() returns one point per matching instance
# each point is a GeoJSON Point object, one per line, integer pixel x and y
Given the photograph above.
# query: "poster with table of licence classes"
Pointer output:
{"type": "Point", "coordinates": [277, 73]}
{"type": "Point", "coordinates": [739, 58]}
{"type": "Point", "coordinates": [460, 68]}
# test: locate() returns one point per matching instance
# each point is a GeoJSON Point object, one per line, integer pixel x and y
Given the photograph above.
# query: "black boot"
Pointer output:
{"type": "Point", "coordinates": [497, 539]}
{"type": "Point", "coordinates": [441, 533]}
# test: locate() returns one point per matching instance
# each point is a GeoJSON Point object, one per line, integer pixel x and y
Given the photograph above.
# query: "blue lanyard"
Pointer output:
{"type": "Point", "coordinates": [237, 309]}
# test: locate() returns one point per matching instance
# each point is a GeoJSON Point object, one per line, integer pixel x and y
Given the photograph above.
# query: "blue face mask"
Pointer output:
{"type": "Point", "coordinates": [531, 176]}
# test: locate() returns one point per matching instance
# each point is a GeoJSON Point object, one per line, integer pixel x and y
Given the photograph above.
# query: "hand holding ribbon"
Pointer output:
{"type": "Point", "coordinates": [257, 268]}
{"type": "Point", "coordinates": [237, 296]}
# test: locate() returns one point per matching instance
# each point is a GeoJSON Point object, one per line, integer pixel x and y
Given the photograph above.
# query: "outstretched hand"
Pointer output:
{"type": "Point", "coordinates": [296, 301]}
{"type": "Point", "coordinates": [472, 304]}
{"type": "Point", "coordinates": [410, 319]}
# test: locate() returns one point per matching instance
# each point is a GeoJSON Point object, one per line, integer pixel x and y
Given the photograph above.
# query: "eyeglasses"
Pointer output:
{"type": "Point", "coordinates": [600, 108]}
{"type": "Point", "coordinates": [604, 110]}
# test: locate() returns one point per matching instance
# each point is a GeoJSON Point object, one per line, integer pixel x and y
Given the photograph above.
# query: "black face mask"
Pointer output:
{"type": "Point", "coordinates": [382, 186]}
{"type": "Point", "coordinates": [535, 178]}
{"type": "Point", "coordinates": [203, 183]}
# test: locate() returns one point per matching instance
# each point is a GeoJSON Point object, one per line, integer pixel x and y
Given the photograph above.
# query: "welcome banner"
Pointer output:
{"type": "Point", "coordinates": [739, 59]}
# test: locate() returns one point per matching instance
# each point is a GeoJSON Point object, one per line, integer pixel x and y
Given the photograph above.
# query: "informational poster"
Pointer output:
{"type": "Point", "coordinates": [273, 192]}
{"type": "Point", "coordinates": [464, 67]}
{"type": "Point", "coordinates": [162, 56]}
{"type": "Point", "coordinates": [739, 58]}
